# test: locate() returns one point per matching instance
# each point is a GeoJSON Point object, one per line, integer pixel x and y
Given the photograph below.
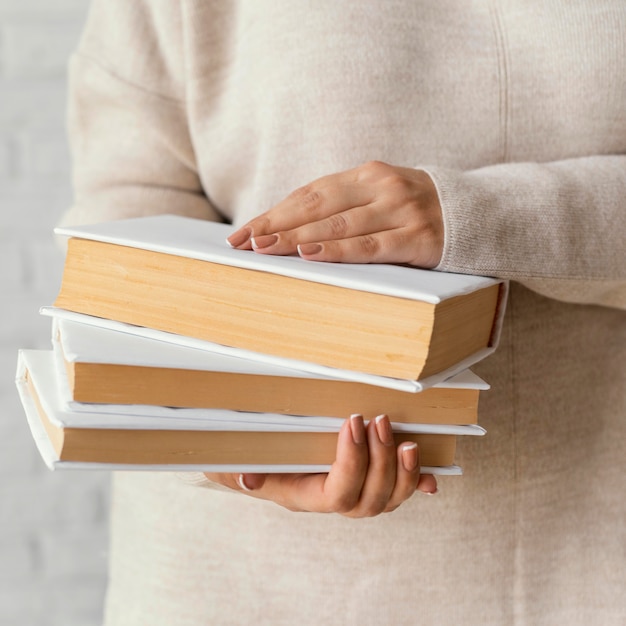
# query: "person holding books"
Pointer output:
{"type": "Point", "coordinates": [483, 138]}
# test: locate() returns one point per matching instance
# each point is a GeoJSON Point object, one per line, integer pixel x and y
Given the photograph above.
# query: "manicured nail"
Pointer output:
{"type": "Point", "coordinates": [383, 428]}
{"type": "Point", "coordinates": [241, 480]}
{"type": "Point", "coordinates": [357, 428]}
{"type": "Point", "coordinates": [264, 241]}
{"type": "Point", "coordinates": [309, 249]}
{"type": "Point", "coordinates": [239, 237]}
{"type": "Point", "coordinates": [409, 456]}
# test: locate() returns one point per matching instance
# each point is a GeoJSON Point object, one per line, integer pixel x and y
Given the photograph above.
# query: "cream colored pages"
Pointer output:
{"type": "Point", "coordinates": [88, 343]}
{"type": "Point", "coordinates": [49, 380]}
{"type": "Point", "coordinates": [245, 361]}
{"type": "Point", "coordinates": [40, 366]}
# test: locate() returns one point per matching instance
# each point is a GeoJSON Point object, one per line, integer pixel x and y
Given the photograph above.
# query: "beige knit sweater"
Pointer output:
{"type": "Point", "coordinates": [517, 108]}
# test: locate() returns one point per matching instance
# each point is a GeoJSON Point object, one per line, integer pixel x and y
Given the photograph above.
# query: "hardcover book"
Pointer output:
{"type": "Point", "coordinates": [194, 439]}
{"type": "Point", "coordinates": [99, 366]}
{"type": "Point", "coordinates": [178, 275]}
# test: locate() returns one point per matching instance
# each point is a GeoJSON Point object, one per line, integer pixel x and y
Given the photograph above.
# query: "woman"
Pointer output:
{"type": "Point", "coordinates": [485, 137]}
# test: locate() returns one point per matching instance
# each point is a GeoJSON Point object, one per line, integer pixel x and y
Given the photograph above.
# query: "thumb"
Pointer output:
{"type": "Point", "coordinates": [427, 484]}
{"type": "Point", "coordinates": [251, 482]}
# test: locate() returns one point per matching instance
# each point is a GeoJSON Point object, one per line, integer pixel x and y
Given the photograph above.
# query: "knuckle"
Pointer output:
{"type": "Point", "coordinates": [369, 245]}
{"type": "Point", "coordinates": [391, 508]}
{"type": "Point", "coordinates": [338, 225]}
{"type": "Point", "coordinates": [308, 198]}
{"type": "Point", "coordinates": [404, 238]}
{"type": "Point", "coordinates": [378, 506]}
{"type": "Point", "coordinates": [372, 170]}
{"type": "Point", "coordinates": [371, 508]}
{"type": "Point", "coordinates": [341, 503]}
{"type": "Point", "coordinates": [261, 225]}
{"type": "Point", "coordinates": [374, 509]}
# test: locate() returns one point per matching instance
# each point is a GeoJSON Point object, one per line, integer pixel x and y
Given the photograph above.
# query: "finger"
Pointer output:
{"type": "Point", "coordinates": [407, 475]}
{"type": "Point", "coordinates": [295, 492]}
{"type": "Point", "coordinates": [323, 197]}
{"type": "Point", "coordinates": [360, 220]}
{"type": "Point", "coordinates": [237, 482]}
{"type": "Point", "coordinates": [400, 192]}
{"type": "Point", "coordinates": [313, 202]}
{"type": "Point", "coordinates": [343, 485]}
{"type": "Point", "coordinates": [381, 472]}
{"type": "Point", "coordinates": [335, 492]}
{"type": "Point", "coordinates": [274, 487]}
{"type": "Point", "coordinates": [251, 482]}
{"type": "Point", "coordinates": [398, 245]}
{"type": "Point", "coordinates": [428, 484]}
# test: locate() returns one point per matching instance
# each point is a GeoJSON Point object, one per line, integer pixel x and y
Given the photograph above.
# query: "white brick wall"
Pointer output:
{"type": "Point", "coordinates": [52, 525]}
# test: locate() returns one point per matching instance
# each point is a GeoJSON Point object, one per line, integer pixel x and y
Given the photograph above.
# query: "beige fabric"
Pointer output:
{"type": "Point", "coordinates": [517, 108]}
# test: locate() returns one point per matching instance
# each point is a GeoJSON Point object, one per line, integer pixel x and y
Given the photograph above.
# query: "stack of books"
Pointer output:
{"type": "Point", "coordinates": [170, 350]}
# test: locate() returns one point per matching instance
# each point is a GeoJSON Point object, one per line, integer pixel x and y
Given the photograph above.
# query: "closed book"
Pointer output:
{"type": "Point", "coordinates": [178, 275]}
{"type": "Point", "coordinates": [191, 439]}
{"type": "Point", "coordinates": [101, 366]}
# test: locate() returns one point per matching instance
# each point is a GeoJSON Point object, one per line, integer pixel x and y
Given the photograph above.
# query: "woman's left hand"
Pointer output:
{"type": "Point", "coordinates": [370, 476]}
{"type": "Point", "coordinates": [375, 213]}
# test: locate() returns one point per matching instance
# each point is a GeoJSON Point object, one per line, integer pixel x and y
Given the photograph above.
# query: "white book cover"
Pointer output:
{"type": "Point", "coordinates": [171, 350]}
{"type": "Point", "coordinates": [79, 342]}
{"type": "Point", "coordinates": [40, 365]}
{"type": "Point", "coordinates": [206, 241]}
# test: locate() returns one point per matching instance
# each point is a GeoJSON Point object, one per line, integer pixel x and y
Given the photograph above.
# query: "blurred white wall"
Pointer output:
{"type": "Point", "coordinates": [53, 526]}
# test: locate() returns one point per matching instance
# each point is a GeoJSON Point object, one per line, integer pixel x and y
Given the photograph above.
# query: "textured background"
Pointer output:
{"type": "Point", "coordinates": [53, 539]}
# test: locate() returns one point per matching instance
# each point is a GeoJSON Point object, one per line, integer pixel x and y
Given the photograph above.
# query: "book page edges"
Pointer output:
{"type": "Point", "coordinates": [43, 372]}
{"type": "Point", "coordinates": [51, 458]}
{"type": "Point", "coordinates": [37, 430]}
{"type": "Point", "coordinates": [206, 241]}
{"type": "Point", "coordinates": [246, 361]}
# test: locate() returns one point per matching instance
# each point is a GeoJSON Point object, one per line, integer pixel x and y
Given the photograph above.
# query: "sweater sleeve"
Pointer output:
{"type": "Point", "coordinates": [558, 228]}
{"type": "Point", "coordinates": [132, 153]}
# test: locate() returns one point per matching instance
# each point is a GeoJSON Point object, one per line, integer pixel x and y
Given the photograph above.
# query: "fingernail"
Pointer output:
{"type": "Point", "coordinates": [383, 428]}
{"type": "Point", "coordinates": [357, 428]}
{"type": "Point", "coordinates": [433, 493]}
{"type": "Point", "coordinates": [239, 237]}
{"type": "Point", "coordinates": [241, 480]}
{"type": "Point", "coordinates": [409, 456]}
{"type": "Point", "coordinates": [309, 249]}
{"type": "Point", "coordinates": [264, 241]}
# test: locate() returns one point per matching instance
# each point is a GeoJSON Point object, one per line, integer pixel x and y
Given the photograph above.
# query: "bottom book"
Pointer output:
{"type": "Point", "coordinates": [231, 442]}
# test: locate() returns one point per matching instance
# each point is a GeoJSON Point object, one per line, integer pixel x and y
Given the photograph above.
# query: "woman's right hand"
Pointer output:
{"type": "Point", "coordinates": [369, 476]}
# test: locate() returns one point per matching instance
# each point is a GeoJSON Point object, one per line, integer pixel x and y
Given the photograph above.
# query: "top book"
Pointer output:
{"type": "Point", "coordinates": [179, 275]}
